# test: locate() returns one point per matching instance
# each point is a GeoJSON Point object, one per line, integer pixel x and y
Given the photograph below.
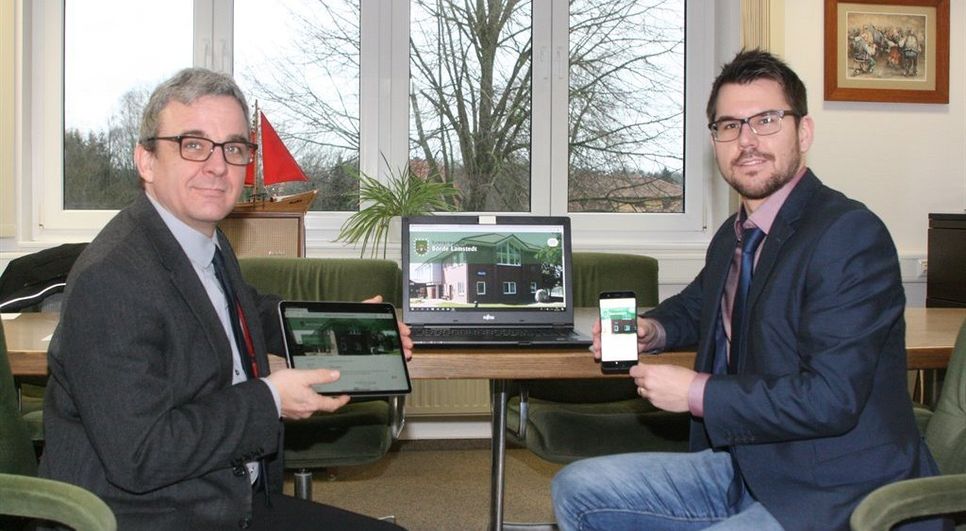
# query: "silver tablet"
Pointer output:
{"type": "Point", "coordinates": [361, 340]}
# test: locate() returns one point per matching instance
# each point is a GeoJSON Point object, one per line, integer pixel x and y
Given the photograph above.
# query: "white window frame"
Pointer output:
{"type": "Point", "coordinates": [713, 35]}
{"type": "Point", "coordinates": [509, 287]}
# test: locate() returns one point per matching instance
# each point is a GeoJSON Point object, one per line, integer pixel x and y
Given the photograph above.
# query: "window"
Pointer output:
{"type": "Point", "coordinates": [470, 65]}
{"type": "Point", "coordinates": [299, 61]}
{"type": "Point", "coordinates": [507, 254]}
{"type": "Point", "coordinates": [509, 288]}
{"type": "Point", "coordinates": [472, 99]}
{"type": "Point", "coordinates": [626, 100]}
{"type": "Point", "coordinates": [102, 102]}
{"type": "Point", "coordinates": [480, 287]}
{"type": "Point", "coordinates": [361, 67]}
{"type": "Point", "coordinates": [533, 287]}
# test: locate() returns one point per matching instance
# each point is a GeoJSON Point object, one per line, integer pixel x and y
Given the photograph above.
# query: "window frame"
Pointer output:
{"type": "Point", "coordinates": [509, 287]}
{"type": "Point", "coordinates": [384, 124]}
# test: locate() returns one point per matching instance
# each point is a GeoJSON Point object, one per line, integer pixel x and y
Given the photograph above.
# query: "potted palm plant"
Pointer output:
{"type": "Point", "coordinates": [405, 194]}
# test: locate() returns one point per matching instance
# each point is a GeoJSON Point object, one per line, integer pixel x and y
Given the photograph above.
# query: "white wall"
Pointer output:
{"type": "Point", "coordinates": [902, 160]}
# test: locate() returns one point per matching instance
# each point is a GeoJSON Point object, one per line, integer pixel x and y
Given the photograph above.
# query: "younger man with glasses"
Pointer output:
{"type": "Point", "coordinates": [798, 398]}
{"type": "Point", "coordinates": [161, 400]}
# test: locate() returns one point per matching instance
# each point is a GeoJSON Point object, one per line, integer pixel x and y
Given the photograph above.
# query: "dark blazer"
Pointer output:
{"type": "Point", "coordinates": [818, 414]}
{"type": "Point", "coordinates": [140, 408]}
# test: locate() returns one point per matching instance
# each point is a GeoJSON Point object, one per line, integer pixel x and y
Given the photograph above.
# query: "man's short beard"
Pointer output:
{"type": "Point", "coordinates": [772, 185]}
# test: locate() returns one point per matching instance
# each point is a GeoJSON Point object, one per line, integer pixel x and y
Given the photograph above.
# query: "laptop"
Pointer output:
{"type": "Point", "coordinates": [488, 281]}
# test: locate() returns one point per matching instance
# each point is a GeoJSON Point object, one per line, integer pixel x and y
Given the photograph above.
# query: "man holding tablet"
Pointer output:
{"type": "Point", "coordinates": [161, 400]}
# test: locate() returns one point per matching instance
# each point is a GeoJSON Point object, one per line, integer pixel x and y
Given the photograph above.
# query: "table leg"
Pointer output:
{"type": "Point", "coordinates": [498, 457]}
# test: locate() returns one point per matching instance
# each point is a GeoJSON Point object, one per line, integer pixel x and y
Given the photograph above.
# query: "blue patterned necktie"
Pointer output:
{"type": "Point", "coordinates": [751, 239]}
{"type": "Point", "coordinates": [236, 316]}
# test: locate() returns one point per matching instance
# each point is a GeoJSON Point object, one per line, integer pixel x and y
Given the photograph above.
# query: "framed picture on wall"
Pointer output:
{"type": "Point", "coordinates": [887, 50]}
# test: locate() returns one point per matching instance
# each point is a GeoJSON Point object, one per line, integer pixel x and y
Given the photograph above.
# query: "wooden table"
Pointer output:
{"type": "Point", "coordinates": [930, 335]}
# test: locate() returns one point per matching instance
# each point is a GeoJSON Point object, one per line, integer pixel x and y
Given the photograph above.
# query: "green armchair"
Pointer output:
{"type": "Point", "coordinates": [54, 501]}
{"type": "Point", "coordinates": [946, 437]}
{"type": "Point", "coordinates": [17, 454]}
{"type": "Point", "coordinates": [565, 420]}
{"type": "Point", "coordinates": [363, 430]}
{"type": "Point", "coordinates": [24, 497]}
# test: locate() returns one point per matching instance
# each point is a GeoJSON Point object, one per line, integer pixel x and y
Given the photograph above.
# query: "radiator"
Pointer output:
{"type": "Point", "coordinates": [449, 397]}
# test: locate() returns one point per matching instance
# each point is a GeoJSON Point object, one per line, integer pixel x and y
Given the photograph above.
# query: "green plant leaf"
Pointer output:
{"type": "Point", "coordinates": [405, 194]}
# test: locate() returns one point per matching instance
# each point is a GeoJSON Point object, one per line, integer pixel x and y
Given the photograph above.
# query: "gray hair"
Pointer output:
{"type": "Point", "coordinates": [186, 87]}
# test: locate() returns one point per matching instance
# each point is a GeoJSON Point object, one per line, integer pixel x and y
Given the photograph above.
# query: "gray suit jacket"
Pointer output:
{"type": "Point", "coordinates": [140, 407]}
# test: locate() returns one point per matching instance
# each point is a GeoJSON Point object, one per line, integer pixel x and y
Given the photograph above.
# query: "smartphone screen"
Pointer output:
{"type": "Point", "coordinates": [618, 331]}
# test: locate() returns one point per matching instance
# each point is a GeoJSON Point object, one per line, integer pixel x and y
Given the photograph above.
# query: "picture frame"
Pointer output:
{"type": "Point", "coordinates": [894, 51]}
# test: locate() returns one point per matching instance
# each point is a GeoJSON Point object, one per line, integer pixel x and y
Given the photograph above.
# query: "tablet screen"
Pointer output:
{"type": "Point", "coordinates": [361, 340]}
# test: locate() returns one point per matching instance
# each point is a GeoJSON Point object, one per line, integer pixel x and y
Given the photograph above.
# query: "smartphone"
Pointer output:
{"type": "Point", "coordinates": [618, 331]}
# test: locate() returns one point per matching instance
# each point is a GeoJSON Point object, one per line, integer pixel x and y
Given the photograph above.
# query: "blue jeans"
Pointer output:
{"type": "Point", "coordinates": [654, 491]}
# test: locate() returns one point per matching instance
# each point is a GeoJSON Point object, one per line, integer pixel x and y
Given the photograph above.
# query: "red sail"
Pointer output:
{"type": "Point", "coordinates": [278, 165]}
{"type": "Point", "coordinates": [250, 169]}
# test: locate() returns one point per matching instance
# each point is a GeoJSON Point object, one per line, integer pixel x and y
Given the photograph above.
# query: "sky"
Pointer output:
{"type": "Point", "coordinates": [104, 61]}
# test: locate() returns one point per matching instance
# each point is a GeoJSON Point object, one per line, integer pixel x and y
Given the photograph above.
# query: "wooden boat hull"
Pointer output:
{"type": "Point", "coordinates": [299, 202]}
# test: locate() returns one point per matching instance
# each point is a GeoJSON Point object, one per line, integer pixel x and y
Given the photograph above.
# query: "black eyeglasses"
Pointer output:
{"type": "Point", "coordinates": [762, 124]}
{"type": "Point", "coordinates": [198, 149]}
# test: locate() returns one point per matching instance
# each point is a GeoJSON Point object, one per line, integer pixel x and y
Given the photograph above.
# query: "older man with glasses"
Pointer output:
{"type": "Point", "coordinates": [161, 400]}
{"type": "Point", "coordinates": [798, 395]}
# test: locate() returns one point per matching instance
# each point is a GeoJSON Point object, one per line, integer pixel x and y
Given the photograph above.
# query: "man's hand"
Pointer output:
{"type": "Point", "coordinates": [666, 386]}
{"type": "Point", "coordinates": [648, 337]}
{"type": "Point", "coordinates": [295, 392]}
{"type": "Point", "coordinates": [404, 332]}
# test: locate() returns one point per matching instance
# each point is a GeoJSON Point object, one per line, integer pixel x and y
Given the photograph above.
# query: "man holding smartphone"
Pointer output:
{"type": "Point", "coordinates": [798, 397]}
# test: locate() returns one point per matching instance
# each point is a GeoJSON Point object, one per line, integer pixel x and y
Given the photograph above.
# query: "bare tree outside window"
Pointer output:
{"type": "Point", "coordinates": [471, 102]}
{"type": "Point", "coordinates": [470, 99]}
{"type": "Point", "coordinates": [626, 106]}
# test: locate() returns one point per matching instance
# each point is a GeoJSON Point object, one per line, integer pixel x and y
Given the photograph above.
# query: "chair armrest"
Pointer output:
{"type": "Point", "coordinates": [912, 498]}
{"type": "Point", "coordinates": [397, 415]}
{"type": "Point", "coordinates": [56, 501]}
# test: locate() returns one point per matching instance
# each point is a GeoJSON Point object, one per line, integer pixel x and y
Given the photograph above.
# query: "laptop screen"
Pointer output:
{"type": "Point", "coordinates": [486, 270]}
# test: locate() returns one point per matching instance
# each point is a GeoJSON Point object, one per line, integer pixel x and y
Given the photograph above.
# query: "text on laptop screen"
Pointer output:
{"type": "Point", "coordinates": [469, 267]}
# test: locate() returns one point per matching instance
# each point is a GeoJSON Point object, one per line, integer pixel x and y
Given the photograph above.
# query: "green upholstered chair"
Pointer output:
{"type": "Point", "coordinates": [55, 501]}
{"type": "Point", "coordinates": [946, 437]}
{"type": "Point", "coordinates": [17, 454]}
{"type": "Point", "coordinates": [24, 497]}
{"type": "Point", "coordinates": [566, 420]}
{"type": "Point", "coordinates": [363, 430]}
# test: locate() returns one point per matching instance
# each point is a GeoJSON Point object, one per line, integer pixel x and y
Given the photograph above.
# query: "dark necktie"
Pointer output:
{"type": "Point", "coordinates": [236, 315]}
{"type": "Point", "coordinates": [751, 239]}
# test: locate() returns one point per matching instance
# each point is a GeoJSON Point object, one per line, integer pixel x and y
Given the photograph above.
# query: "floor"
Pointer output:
{"type": "Point", "coordinates": [439, 485]}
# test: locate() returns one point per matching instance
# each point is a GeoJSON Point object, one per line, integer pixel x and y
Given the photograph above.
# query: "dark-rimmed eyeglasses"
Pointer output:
{"type": "Point", "coordinates": [762, 124]}
{"type": "Point", "coordinates": [198, 149]}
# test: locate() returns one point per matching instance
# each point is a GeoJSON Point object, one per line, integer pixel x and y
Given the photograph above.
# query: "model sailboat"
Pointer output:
{"type": "Point", "coordinates": [273, 164]}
